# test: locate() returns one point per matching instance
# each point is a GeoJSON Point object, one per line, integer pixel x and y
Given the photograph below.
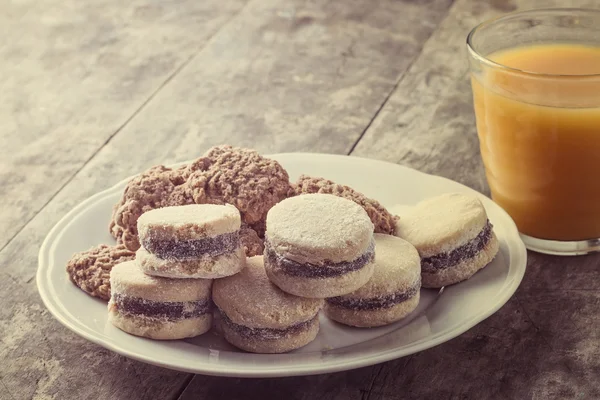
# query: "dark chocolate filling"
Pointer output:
{"type": "Point", "coordinates": [265, 333]}
{"type": "Point", "coordinates": [470, 249]}
{"type": "Point", "coordinates": [327, 270]}
{"type": "Point", "coordinates": [159, 309]}
{"type": "Point", "coordinates": [374, 303]}
{"type": "Point", "coordinates": [189, 249]}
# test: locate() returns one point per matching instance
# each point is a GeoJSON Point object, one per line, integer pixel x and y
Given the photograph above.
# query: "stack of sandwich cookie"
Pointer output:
{"type": "Point", "coordinates": [258, 317]}
{"type": "Point", "coordinates": [319, 246]}
{"type": "Point", "coordinates": [391, 294]}
{"type": "Point", "coordinates": [158, 308]}
{"type": "Point", "coordinates": [191, 241]}
{"type": "Point", "coordinates": [453, 235]}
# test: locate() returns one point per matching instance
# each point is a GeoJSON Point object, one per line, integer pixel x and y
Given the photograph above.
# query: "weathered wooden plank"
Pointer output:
{"type": "Point", "coordinates": [282, 76]}
{"type": "Point", "coordinates": [338, 386]}
{"type": "Point", "coordinates": [72, 73]}
{"type": "Point", "coordinates": [428, 122]}
{"type": "Point", "coordinates": [286, 76]}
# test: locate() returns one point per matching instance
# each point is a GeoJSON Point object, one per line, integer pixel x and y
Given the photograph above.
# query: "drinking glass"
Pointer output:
{"type": "Point", "coordinates": [539, 133]}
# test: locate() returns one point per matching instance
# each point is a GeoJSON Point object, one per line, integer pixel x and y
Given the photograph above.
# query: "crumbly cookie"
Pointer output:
{"type": "Point", "coordinates": [241, 177]}
{"type": "Point", "coordinates": [222, 175]}
{"type": "Point", "coordinates": [157, 187]}
{"type": "Point", "coordinates": [253, 244]}
{"type": "Point", "coordinates": [90, 270]}
{"type": "Point", "coordinates": [383, 220]}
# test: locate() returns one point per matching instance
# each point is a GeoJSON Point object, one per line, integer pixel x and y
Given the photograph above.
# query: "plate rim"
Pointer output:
{"type": "Point", "coordinates": [518, 259]}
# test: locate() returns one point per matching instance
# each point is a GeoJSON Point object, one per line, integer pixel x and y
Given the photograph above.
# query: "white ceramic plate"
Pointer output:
{"type": "Point", "coordinates": [440, 317]}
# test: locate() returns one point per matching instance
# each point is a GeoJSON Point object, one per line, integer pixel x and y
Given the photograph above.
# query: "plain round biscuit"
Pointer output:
{"type": "Point", "coordinates": [251, 299]}
{"type": "Point", "coordinates": [284, 344]}
{"type": "Point", "coordinates": [442, 223]}
{"type": "Point", "coordinates": [205, 267]}
{"type": "Point", "coordinates": [160, 329]}
{"type": "Point", "coordinates": [397, 268]}
{"type": "Point", "coordinates": [314, 228]}
{"type": "Point", "coordinates": [372, 318]}
{"type": "Point", "coordinates": [129, 280]}
{"type": "Point", "coordinates": [320, 287]}
{"type": "Point", "coordinates": [465, 269]}
{"type": "Point", "coordinates": [188, 222]}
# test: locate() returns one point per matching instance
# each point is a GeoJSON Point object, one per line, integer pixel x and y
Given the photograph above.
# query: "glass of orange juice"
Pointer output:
{"type": "Point", "coordinates": [535, 77]}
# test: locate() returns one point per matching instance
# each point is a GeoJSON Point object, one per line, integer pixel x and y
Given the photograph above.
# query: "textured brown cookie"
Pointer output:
{"type": "Point", "coordinates": [241, 177]}
{"type": "Point", "coordinates": [157, 187]}
{"type": "Point", "coordinates": [222, 175]}
{"type": "Point", "coordinates": [253, 244]}
{"type": "Point", "coordinates": [90, 270]}
{"type": "Point", "coordinates": [383, 220]}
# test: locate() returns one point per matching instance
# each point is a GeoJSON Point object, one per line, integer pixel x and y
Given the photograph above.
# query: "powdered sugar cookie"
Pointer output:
{"type": "Point", "coordinates": [259, 317]}
{"type": "Point", "coordinates": [453, 235]}
{"type": "Point", "coordinates": [158, 308]}
{"type": "Point", "coordinates": [319, 245]}
{"type": "Point", "coordinates": [391, 294]}
{"type": "Point", "coordinates": [192, 241]}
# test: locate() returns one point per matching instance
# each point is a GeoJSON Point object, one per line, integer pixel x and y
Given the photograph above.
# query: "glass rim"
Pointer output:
{"type": "Point", "coordinates": [483, 59]}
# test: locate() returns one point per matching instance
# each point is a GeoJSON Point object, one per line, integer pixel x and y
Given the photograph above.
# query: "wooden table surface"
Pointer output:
{"type": "Point", "coordinates": [94, 91]}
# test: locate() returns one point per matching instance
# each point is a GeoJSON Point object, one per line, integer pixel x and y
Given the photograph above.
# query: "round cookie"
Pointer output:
{"type": "Point", "coordinates": [391, 294]}
{"type": "Point", "coordinates": [158, 308]}
{"type": "Point", "coordinates": [191, 241]}
{"type": "Point", "coordinates": [453, 235]}
{"type": "Point", "coordinates": [319, 245]}
{"type": "Point", "coordinates": [382, 219]}
{"type": "Point", "coordinates": [258, 317]}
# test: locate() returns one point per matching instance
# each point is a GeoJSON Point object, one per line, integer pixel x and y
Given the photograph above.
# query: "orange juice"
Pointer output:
{"type": "Point", "coordinates": [538, 123]}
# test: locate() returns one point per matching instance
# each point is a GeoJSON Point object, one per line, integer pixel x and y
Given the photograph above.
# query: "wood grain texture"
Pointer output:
{"type": "Point", "coordinates": [428, 122]}
{"type": "Point", "coordinates": [283, 76]}
{"type": "Point", "coordinates": [72, 74]}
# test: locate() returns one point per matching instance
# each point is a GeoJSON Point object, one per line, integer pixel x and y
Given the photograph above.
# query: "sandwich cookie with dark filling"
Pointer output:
{"type": "Point", "coordinates": [319, 246]}
{"type": "Point", "coordinates": [258, 317]}
{"type": "Point", "coordinates": [191, 241]}
{"type": "Point", "coordinates": [391, 294]}
{"type": "Point", "coordinates": [158, 308]}
{"type": "Point", "coordinates": [453, 235]}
